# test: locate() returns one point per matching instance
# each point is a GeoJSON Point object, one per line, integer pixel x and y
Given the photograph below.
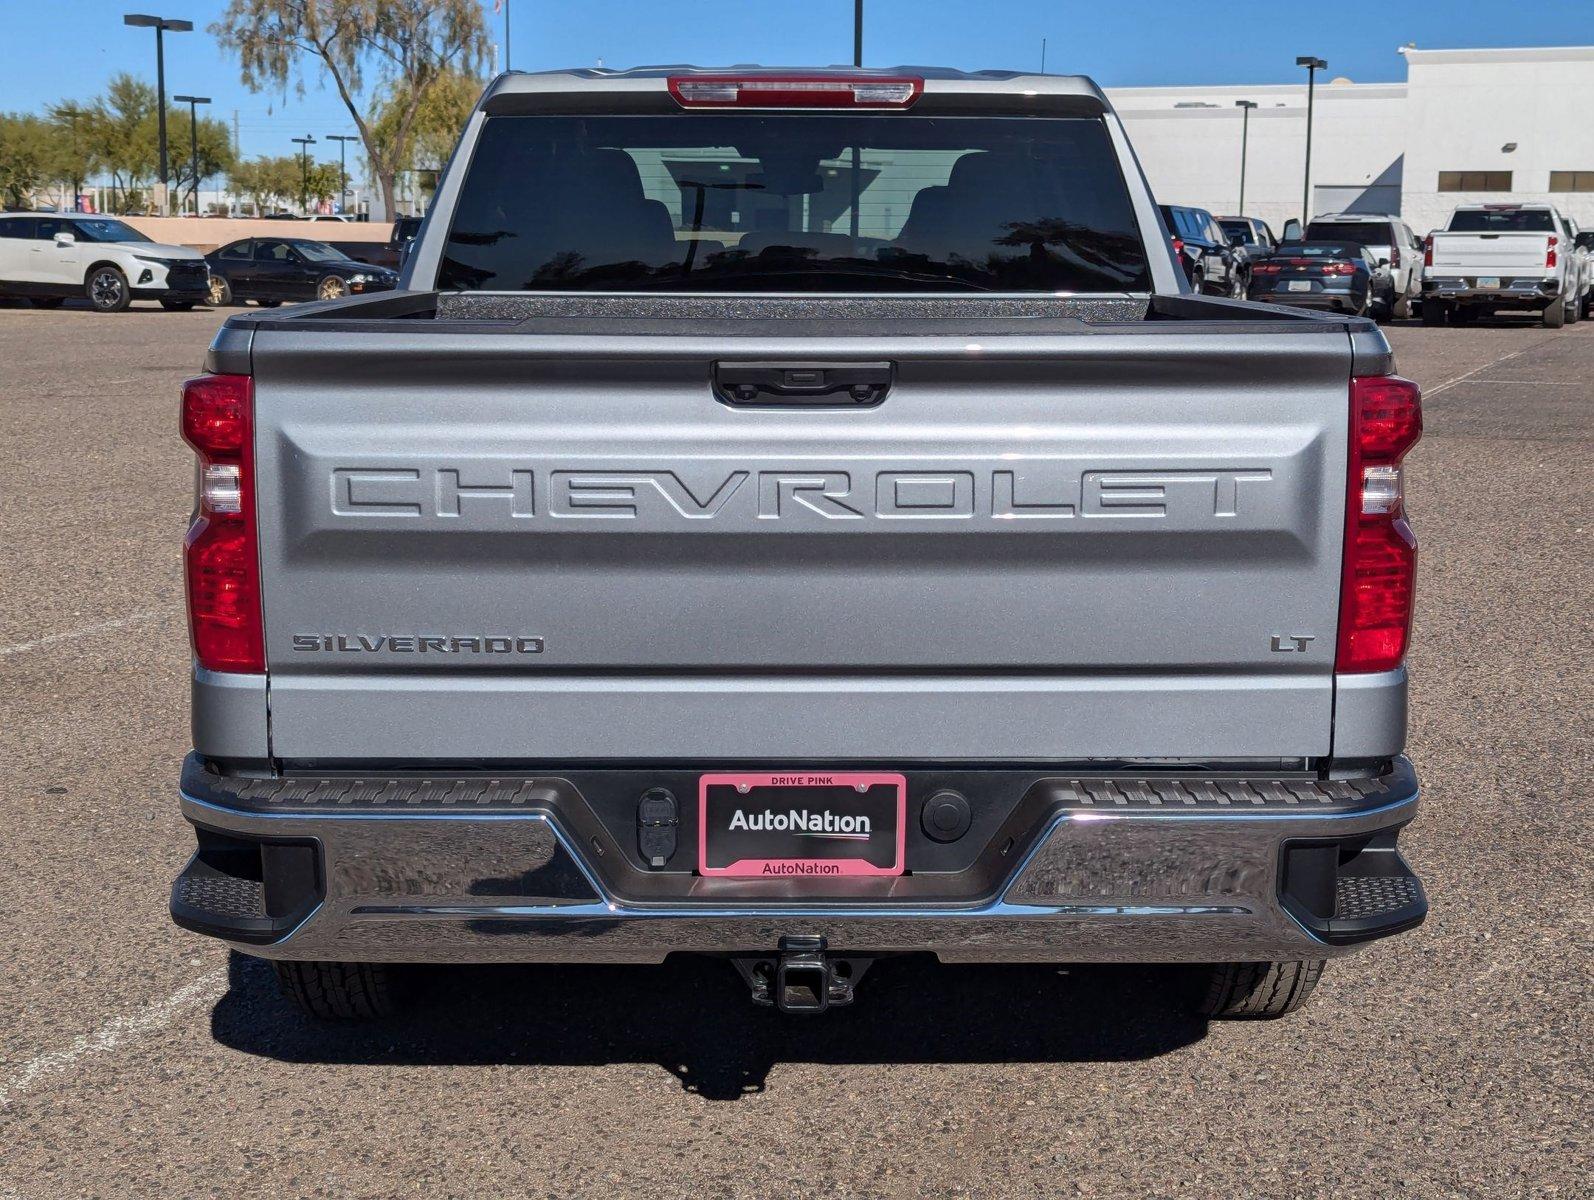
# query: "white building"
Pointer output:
{"type": "Point", "coordinates": [1466, 126]}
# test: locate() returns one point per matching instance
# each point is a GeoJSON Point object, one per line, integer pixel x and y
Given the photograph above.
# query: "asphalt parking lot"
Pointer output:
{"type": "Point", "coordinates": [136, 1060]}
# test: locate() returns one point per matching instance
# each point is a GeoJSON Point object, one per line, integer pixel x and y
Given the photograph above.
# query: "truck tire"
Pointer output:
{"type": "Point", "coordinates": [338, 991]}
{"type": "Point", "coordinates": [1258, 990]}
{"type": "Point", "coordinates": [1555, 315]}
{"type": "Point", "coordinates": [1433, 312]}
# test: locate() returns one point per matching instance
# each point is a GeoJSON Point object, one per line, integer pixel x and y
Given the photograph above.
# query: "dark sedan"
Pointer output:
{"type": "Point", "coordinates": [1338, 276]}
{"type": "Point", "coordinates": [271, 270]}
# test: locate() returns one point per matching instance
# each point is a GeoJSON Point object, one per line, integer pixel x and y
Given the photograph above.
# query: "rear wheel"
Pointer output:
{"type": "Point", "coordinates": [338, 991]}
{"type": "Point", "coordinates": [1257, 990]}
{"type": "Point", "coordinates": [107, 290]}
{"type": "Point", "coordinates": [1555, 315]}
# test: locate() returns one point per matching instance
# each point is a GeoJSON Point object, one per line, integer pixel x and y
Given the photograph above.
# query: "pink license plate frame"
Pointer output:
{"type": "Point", "coordinates": [789, 868]}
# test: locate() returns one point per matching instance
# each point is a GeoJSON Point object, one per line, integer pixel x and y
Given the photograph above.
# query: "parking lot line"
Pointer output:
{"type": "Point", "coordinates": [1430, 393]}
{"type": "Point", "coordinates": [137, 618]}
{"type": "Point", "coordinates": [112, 1034]}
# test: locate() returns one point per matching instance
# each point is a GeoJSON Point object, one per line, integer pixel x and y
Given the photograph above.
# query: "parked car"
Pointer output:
{"type": "Point", "coordinates": [1583, 267]}
{"type": "Point", "coordinates": [1337, 276]}
{"type": "Point", "coordinates": [1390, 240]}
{"type": "Point", "coordinates": [1494, 257]}
{"type": "Point", "coordinates": [271, 270]}
{"type": "Point", "coordinates": [1584, 241]}
{"type": "Point", "coordinates": [532, 627]}
{"type": "Point", "coordinates": [1211, 264]}
{"type": "Point", "coordinates": [50, 258]}
{"type": "Point", "coordinates": [384, 254]}
{"type": "Point", "coordinates": [1253, 235]}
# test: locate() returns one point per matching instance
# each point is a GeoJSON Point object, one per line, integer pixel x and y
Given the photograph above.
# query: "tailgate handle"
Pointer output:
{"type": "Point", "coordinates": [802, 384]}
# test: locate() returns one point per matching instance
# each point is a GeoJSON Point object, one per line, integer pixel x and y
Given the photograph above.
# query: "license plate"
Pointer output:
{"type": "Point", "coordinates": [801, 824]}
{"type": "Point", "coordinates": [1489, 281]}
{"type": "Point", "coordinates": [1300, 285]}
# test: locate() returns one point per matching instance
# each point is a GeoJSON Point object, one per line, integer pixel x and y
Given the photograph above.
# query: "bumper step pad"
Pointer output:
{"type": "Point", "coordinates": [221, 895]}
{"type": "Point", "coordinates": [1375, 896]}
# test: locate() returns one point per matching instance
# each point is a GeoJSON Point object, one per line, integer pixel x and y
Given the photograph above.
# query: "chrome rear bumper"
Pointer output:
{"type": "Point", "coordinates": [1123, 877]}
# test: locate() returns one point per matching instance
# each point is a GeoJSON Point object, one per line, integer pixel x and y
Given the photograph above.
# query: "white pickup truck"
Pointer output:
{"type": "Point", "coordinates": [1503, 256]}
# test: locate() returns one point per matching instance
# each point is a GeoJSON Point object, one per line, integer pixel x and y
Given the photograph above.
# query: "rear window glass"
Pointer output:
{"type": "Point", "coordinates": [1510, 220]}
{"type": "Point", "coordinates": [1243, 228]}
{"type": "Point", "coordinates": [797, 202]}
{"type": "Point", "coordinates": [1365, 233]}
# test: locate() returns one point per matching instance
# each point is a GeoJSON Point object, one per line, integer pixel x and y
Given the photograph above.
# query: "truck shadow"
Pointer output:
{"type": "Point", "coordinates": [692, 1017]}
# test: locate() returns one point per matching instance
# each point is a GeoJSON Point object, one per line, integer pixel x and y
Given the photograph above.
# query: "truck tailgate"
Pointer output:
{"type": "Point", "coordinates": [1490, 253]}
{"type": "Point", "coordinates": [527, 547]}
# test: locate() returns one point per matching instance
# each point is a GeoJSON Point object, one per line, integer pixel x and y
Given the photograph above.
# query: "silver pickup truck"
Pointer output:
{"type": "Point", "coordinates": [802, 518]}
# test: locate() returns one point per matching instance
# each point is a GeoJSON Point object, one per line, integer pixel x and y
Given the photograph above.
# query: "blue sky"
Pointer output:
{"type": "Point", "coordinates": [68, 48]}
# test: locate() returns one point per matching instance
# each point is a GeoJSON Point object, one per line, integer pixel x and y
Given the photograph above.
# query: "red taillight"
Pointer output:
{"type": "Point", "coordinates": [221, 555]}
{"type": "Point", "coordinates": [795, 91]}
{"type": "Point", "coordinates": [1339, 268]}
{"type": "Point", "coordinates": [1550, 254]}
{"type": "Point", "coordinates": [1427, 251]}
{"type": "Point", "coordinates": [1266, 269]}
{"type": "Point", "coordinates": [1380, 568]}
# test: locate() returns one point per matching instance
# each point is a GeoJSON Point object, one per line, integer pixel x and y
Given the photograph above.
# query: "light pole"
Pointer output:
{"type": "Point", "coordinates": [160, 25]}
{"type": "Point", "coordinates": [193, 103]}
{"type": "Point", "coordinates": [1245, 107]}
{"type": "Point", "coordinates": [857, 153]}
{"type": "Point", "coordinates": [304, 144]}
{"type": "Point", "coordinates": [1313, 66]}
{"type": "Point", "coordinates": [343, 140]}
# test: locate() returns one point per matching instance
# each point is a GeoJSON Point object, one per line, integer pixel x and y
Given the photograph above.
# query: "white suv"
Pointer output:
{"type": "Point", "coordinates": [49, 257]}
{"type": "Point", "coordinates": [1390, 240]}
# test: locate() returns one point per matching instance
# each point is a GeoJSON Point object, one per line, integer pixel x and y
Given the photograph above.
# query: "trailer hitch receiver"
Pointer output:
{"type": "Point", "coordinates": [801, 977]}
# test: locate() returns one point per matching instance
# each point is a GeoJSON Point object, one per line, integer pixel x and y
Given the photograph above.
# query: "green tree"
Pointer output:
{"type": "Point", "coordinates": [117, 131]}
{"type": "Point", "coordinates": [323, 181]}
{"type": "Point", "coordinates": [437, 122]}
{"type": "Point", "coordinates": [78, 162]}
{"type": "Point", "coordinates": [277, 182]}
{"type": "Point", "coordinates": [214, 144]}
{"type": "Point", "coordinates": [396, 48]}
{"type": "Point", "coordinates": [269, 182]}
{"type": "Point", "coordinates": [30, 157]}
